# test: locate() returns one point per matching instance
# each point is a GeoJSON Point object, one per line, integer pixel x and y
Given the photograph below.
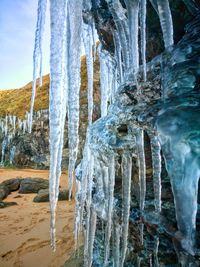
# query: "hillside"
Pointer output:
{"type": "Point", "coordinates": [17, 101]}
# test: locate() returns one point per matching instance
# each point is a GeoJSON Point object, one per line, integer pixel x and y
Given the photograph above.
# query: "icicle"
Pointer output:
{"type": "Point", "coordinates": [133, 10]}
{"type": "Point", "coordinates": [14, 123]}
{"type": "Point", "coordinates": [74, 63]}
{"type": "Point", "coordinates": [118, 13]}
{"type": "Point", "coordinates": [12, 154]}
{"type": "Point", "coordinates": [142, 172]}
{"type": "Point", "coordinates": [156, 247]}
{"type": "Point", "coordinates": [82, 190]}
{"type": "Point", "coordinates": [103, 82]}
{"type": "Point", "coordinates": [116, 250]}
{"type": "Point", "coordinates": [156, 165]}
{"type": "Point", "coordinates": [88, 42]}
{"type": "Point", "coordinates": [166, 22]}
{"type": "Point", "coordinates": [111, 183]}
{"type": "Point", "coordinates": [37, 54]}
{"type": "Point", "coordinates": [94, 40]}
{"type": "Point", "coordinates": [118, 55]}
{"type": "Point", "coordinates": [92, 230]}
{"type": "Point", "coordinates": [57, 102]}
{"type": "Point", "coordinates": [143, 11]}
{"type": "Point", "coordinates": [88, 209]}
{"type": "Point", "coordinates": [4, 144]}
{"type": "Point", "coordinates": [126, 198]}
{"type": "Point", "coordinates": [6, 126]}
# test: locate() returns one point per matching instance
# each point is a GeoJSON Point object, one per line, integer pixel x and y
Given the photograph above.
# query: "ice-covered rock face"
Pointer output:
{"type": "Point", "coordinates": [178, 128]}
{"type": "Point", "coordinates": [117, 140]}
{"type": "Point", "coordinates": [170, 116]}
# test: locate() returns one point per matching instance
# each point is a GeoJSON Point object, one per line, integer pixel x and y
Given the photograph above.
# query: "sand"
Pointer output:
{"type": "Point", "coordinates": [24, 229]}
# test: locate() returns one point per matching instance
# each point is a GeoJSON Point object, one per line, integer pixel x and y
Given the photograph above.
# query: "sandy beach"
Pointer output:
{"type": "Point", "coordinates": [24, 228]}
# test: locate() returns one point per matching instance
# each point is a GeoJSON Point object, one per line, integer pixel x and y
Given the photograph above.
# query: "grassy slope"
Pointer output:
{"type": "Point", "coordinates": [17, 101]}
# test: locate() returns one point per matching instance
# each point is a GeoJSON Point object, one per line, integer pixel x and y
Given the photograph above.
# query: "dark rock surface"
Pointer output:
{"type": "Point", "coordinates": [33, 185]}
{"type": "Point", "coordinates": [4, 192]}
{"type": "Point", "coordinates": [12, 184]}
{"type": "Point", "coordinates": [43, 195]}
{"type": "Point", "coordinates": [6, 204]}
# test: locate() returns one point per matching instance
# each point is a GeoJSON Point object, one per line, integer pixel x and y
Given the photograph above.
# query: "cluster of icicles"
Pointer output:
{"type": "Point", "coordinates": [10, 125]}
{"type": "Point", "coordinates": [68, 29]}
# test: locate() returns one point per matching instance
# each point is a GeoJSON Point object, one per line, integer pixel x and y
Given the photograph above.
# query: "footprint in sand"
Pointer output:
{"type": "Point", "coordinates": [24, 248]}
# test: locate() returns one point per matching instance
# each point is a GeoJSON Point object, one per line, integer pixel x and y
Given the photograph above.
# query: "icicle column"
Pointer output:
{"type": "Point", "coordinates": [142, 172]}
{"type": "Point", "coordinates": [111, 182]}
{"type": "Point", "coordinates": [37, 54]}
{"type": "Point", "coordinates": [119, 16]}
{"type": "Point", "coordinates": [116, 250]}
{"type": "Point", "coordinates": [74, 11]}
{"type": "Point", "coordinates": [156, 165]}
{"type": "Point", "coordinates": [166, 22]}
{"type": "Point", "coordinates": [57, 100]}
{"type": "Point", "coordinates": [103, 82]}
{"type": "Point", "coordinates": [88, 43]}
{"type": "Point", "coordinates": [143, 11]}
{"type": "Point", "coordinates": [126, 198]}
{"type": "Point", "coordinates": [133, 23]}
{"type": "Point", "coordinates": [88, 244]}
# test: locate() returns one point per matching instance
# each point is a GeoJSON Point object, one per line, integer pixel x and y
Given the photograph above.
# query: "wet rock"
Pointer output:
{"type": "Point", "coordinates": [33, 185]}
{"type": "Point", "coordinates": [12, 184]}
{"type": "Point", "coordinates": [7, 204]}
{"type": "Point", "coordinates": [43, 195]}
{"type": "Point", "coordinates": [4, 192]}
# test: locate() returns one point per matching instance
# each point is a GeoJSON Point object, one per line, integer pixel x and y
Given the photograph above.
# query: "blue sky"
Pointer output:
{"type": "Point", "coordinates": [17, 30]}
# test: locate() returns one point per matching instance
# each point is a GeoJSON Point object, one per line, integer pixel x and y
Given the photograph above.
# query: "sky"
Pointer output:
{"type": "Point", "coordinates": [17, 32]}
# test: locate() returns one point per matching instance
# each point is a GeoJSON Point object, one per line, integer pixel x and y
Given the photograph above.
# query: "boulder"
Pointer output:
{"type": "Point", "coordinates": [33, 185]}
{"type": "Point", "coordinates": [43, 195]}
{"type": "Point", "coordinates": [6, 204]}
{"type": "Point", "coordinates": [12, 184]}
{"type": "Point", "coordinates": [4, 192]}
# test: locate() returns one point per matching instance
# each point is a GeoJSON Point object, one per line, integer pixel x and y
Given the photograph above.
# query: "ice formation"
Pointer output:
{"type": "Point", "coordinates": [74, 28]}
{"type": "Point", "coordinates": [37, 55]}
{"type": "Point", "coordinates": [117, 139]}
{"type": "Point", "coordinates": [58, 98]}
{"type": "Point", "coordinates": [10, 126]}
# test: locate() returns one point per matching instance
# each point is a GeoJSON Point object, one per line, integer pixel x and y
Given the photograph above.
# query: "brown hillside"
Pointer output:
{"type": "Point", "coordinates": [17, 101]}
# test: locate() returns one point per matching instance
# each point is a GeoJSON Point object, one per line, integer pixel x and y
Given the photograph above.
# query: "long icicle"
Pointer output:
{"type": "Point", "coordinates": [126, 198]}
{"type": "Point", "coordinates": [166, 22]}
{"type": "Point", "coordinates": [82, 190]}
{"type": "Point", "coordinates": [74, 64]}
{"type": "Point", "coordinates": [118, 55]}
{"type": "Point", "coordinates": [111, 177]}
{"type": "Point", "coordinates": [119, 17]}
{"type": "Point", "coordinates": [57, 101]}
{"type": "Point", "coordinates": [103, 81]}
{"type": "Point", "coordinates": [156, 165]}
{"type": "Point", "coordinates": [88, 209]}
{"type": "Point", "coordinates": [116, 245]}
{"type": "Point", "coordinates": [142, 171]}
{"type": "Point", "coordinates": [143, 11]}
{"type": "Point", "coordinates": [88, 43]}
{"type": "Point", "coordinates": [133, 23]}
{"type": "Point", "coordinates": [37, 54]}
{"type": "Point", "coordinates": [92, 231]}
